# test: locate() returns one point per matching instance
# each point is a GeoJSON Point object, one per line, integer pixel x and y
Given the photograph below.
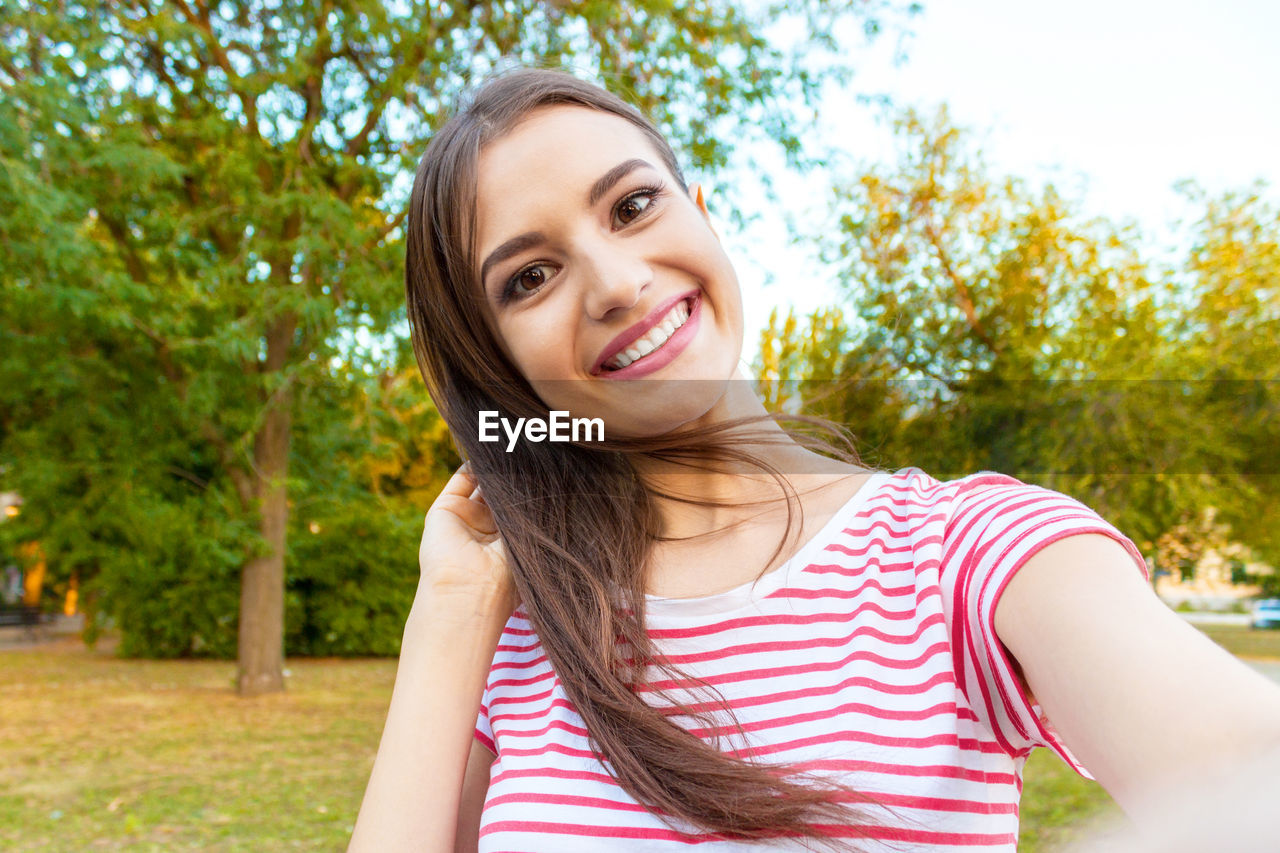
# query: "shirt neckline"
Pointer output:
{"type": "Point", "coordinates": [747, 594]}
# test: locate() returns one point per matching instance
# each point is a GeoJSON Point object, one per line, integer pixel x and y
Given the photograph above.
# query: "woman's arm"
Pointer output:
{"type": "Point", "coordinates": [415, 790]}
{"type": "Point", "coordinates": [464, 599]}
{"type": "Point", "coordinates": [1158, 713]}
{"type": "Point", "coordinates": [475, 787]}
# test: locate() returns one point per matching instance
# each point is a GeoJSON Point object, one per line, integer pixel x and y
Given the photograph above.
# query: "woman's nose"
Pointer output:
{"type": "Point", "coordinates": [615, 279]}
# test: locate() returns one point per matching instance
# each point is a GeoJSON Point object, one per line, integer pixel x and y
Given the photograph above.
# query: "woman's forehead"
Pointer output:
{"type": "Point", "coordinates": [559, 147]}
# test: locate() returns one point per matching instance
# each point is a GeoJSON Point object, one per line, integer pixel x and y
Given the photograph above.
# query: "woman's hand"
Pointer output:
{"type": "Point", "coordinates": [462, 557]}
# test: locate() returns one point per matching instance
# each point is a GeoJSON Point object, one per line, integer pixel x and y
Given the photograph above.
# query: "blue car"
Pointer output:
{"type": "Point", "coordinates": [1266, 613]}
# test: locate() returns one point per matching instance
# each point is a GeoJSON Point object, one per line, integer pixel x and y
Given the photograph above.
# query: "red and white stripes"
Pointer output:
{"type": "Point", "coordinates": [871, 655]}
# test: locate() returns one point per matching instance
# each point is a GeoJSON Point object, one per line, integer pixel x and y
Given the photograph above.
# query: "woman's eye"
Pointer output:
{"type": "Point", "coordinates": [528, 280]}
{"type": "Point", "coordinates": [532, 278]}
{"type": "Point", "coordinates": [632, 207]}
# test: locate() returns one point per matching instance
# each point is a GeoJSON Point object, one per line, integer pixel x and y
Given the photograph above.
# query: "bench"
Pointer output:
{"type": "Point", "coordinates": [23, 616]}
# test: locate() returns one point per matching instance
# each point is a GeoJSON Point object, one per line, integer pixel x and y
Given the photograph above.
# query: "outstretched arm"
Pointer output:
{"type": "Point", "coordinates": [1161, 716]}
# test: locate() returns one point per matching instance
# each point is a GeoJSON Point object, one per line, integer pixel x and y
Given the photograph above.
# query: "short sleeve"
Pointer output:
{"type": "Point", "coordinates": [994, 525]}
{"type": "Point", "coordinates": [484, 731]}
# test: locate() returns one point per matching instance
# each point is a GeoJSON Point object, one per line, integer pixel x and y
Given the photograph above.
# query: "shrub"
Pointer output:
{"type": "Point", "coordinates": [351, 582]}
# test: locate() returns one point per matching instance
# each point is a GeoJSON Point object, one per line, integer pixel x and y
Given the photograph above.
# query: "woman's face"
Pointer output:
{"type": "Point", "coordinates": [604, 280]}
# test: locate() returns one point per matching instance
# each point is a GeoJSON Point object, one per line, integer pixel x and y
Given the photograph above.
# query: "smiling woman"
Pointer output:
{"type": "Point", "coordinates": [601, 653]}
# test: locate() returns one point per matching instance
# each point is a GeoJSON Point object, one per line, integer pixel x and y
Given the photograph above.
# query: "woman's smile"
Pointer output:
{"type": "Point", "coordinates": [651, 345]}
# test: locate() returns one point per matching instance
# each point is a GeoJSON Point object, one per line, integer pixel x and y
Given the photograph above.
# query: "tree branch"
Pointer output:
{"type": "Point", "coordinates": [963, 297]}
{"type": "Point", "coordinates": [383, 232]}
{"type": "Point", "coordinates": [138, 272]}
{"type": "Point", "coordinates": [203, 22]}
{"type": "Point", "coordinates": [312, 88]}
{"type": "Point", "coordinates": [164, 352]}
{"type": "Point", "coordinates": [154, 58]}
{"type": "Point", "coordinates": [187, 475]}
{"type": "Point", "coordinates": [240, 480]}
{"type": "Point", "coordinates": [12, 70]}
{"type": "Point", "coordinates": [360, 142]}
{"type": "Point", "coordinates": [379, 98]}
{"type": "Point", "coordinates": [134, 264]}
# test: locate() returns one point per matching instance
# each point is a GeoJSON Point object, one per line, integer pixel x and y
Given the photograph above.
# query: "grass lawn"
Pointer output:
{"type": "Point", "coordinates": [107, 754]}
{"type": "Point", "coordinates": [1244, 641]}
{"type": "Point", "coordinates": [1057, 803]}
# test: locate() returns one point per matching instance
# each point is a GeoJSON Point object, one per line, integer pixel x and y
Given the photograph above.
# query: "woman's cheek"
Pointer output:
{"type": "Point", "coordinates": [542, 353]}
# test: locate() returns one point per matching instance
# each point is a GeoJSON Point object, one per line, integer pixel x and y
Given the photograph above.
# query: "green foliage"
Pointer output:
{"type": "Point", "coordinates": [351, 581]}
{"type": "Point", "coordinates": [1230, 335]}
{"type": "Point", "coordinates": [826, 370]}
{"type": "Point", "coordinates": [971, 277]}
{"type": "Point", "coordinates": [201, 226]}
{"type": "Point", "coordinates": [998, 329]}
{"type": "Point", "coordinates": [173, 586]}
{"type": "Point", "coordinates": [370, 455]}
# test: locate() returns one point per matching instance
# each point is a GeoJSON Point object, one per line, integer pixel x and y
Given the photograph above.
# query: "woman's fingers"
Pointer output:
{"type": "Point", "coordinates": [474, 514]}
{"type": "Point", "coordinates": [461, 550]}
{"type": "Point", "coordinates": [462, 497]}
{"type": "Point", "coordinates": [461, 483]}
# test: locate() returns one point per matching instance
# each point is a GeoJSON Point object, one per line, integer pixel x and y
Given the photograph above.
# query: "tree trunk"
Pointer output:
{"type": "Point", "coordinates": [261, 637]}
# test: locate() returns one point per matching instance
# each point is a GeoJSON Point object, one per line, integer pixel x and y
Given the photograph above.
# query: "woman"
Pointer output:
{"type": "Point", "coordinates": [875, 683]}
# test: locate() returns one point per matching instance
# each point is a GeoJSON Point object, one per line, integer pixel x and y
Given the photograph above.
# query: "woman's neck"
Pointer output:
{"type": "Point", "coordinates": [735, 493]}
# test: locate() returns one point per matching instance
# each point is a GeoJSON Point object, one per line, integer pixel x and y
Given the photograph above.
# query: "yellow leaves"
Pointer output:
{"type": "Point", "coordinates": [795, 353]}
{"type": "Point", "coordinates": [410, 451]}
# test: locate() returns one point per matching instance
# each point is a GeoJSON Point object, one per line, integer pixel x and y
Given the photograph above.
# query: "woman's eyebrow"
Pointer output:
{"type": "Point", "coordinates": [611, 177]}
{"type": "Point", "coordinates": [514, 246]}
{"type": "Point", "coordinates": [531, 238]}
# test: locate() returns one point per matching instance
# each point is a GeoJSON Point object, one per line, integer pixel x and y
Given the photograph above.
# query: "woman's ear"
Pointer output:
{"type": "Point", "coordinates": [695, 192]}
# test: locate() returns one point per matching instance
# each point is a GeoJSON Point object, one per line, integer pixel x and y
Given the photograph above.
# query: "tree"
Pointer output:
{"type": "Point", "coordinates": [203, 209]}
{"type": "Point", "coordinates": [820, 367]}
{"type": "Point", "coordinates": [1007, 315]}
{"type": "Point", "coordinates": [1230, 333]}
{"type": "Point", "coordinates": [1029, 339]}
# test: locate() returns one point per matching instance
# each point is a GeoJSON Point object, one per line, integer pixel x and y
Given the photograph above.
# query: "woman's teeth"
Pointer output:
{"type": "Point", "coordinates": [656, 337]}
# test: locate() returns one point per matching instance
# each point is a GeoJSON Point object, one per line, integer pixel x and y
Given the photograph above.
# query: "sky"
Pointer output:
{"type": "Point", "coordinates": [1114, 101]}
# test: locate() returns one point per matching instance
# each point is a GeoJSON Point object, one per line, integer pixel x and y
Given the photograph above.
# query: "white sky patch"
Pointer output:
{"type": "Point", "coordinates": [1114, 102]}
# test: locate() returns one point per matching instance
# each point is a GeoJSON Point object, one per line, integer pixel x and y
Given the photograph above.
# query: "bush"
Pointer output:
{"type": "Point", "coordinates": [174, 589]}
{"type": "Point", "coordinates": [351, 582]}
{"type": "Point", "coordinates": [174, 585]}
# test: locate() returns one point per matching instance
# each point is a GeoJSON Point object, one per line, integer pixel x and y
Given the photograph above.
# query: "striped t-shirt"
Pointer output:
{"type": "Point", "coordinates": [870, 655]}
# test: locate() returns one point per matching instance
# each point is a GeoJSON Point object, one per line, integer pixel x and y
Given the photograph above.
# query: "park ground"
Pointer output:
{"type": "Point", "coordinates": [101, 753]}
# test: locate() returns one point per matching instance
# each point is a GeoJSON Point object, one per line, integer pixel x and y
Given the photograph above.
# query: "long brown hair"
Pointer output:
{"type": "Point", "coordinates": [576, 518]}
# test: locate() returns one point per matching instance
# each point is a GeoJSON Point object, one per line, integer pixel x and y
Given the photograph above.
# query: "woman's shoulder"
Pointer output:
{"type": "Point", "coordinates": [926, 486]}
{"type": "Point", "coordinates": [913, 494]}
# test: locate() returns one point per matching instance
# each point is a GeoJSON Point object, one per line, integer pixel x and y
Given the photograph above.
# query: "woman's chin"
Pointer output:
{"type": "Point", "coordinates": [678, 405]}
{"type": "Point", "coordinates": [689, 391]}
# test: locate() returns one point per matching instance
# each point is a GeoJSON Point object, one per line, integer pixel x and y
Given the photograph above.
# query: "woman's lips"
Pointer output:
{"type": "Point", "coordinates": [639, 330]}
{"type": "Point", "coordinates": [666, 353]}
